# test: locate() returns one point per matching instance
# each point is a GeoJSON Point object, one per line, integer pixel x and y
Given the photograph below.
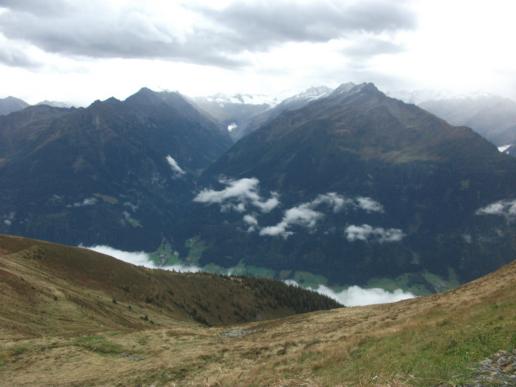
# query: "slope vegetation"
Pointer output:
{"type": "Point", "coordinates": [427, 341]}
{"type": "Point", "coordinates": [49, 289]}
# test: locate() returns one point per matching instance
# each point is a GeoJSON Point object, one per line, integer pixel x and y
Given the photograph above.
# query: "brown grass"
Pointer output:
{"type": "Point", "coordinates": [424, 341]}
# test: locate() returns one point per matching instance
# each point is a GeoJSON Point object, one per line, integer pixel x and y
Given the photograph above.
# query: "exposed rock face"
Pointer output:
{"type": "Point", "coordinates": [497, 370]}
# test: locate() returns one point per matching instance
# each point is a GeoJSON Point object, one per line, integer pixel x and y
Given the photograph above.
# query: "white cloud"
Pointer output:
{"type": "Point", "coordinates": [68, 71]}
{"type": "Point", "coordinates": [366, 232]}
{"type": "Point", "coordinates": [339, 202]}
{"type": "Point", "coordinates": [175, 166]}
{"type": "Point", "coordinates": [357, 296]}
{"type": "Point", "coordinates": [332, 199]}
{"type": "Point", "coordinates": [306, 214]}
{"type": "Point", "coordinates": [139, 258]}
{"type": "Point", "coordinates": [369, 205]}
{"type": "Point", "coordinates": [302, 216]}
{"type": "Point", "coordinates": [251, 221]}
{"type": "Point", "coordinates": [505, 208]}
{"type": "Point", "coordinates": [238, 195]}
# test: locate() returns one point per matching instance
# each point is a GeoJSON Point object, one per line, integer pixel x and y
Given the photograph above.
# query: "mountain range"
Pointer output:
{"type": "Point", "coordinates": [339, 187]}
{"type": "Point", "coordinates": [114, 172]}
{"type": "Point", "coordinates": [358, 185]}
{"type": "Point", "coordinates": [11, 104]}
{"type": "Point", "coordinates": [491, 116]}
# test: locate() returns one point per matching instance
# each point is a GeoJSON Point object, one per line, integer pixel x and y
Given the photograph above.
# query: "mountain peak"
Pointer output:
{"type": "Point", "coordinates": [310, 94]}
{"type": "Point", "coordinates": [11, 104]}
{"type": "Point", "coordinates": [144, 96]}
{"type": "Point", "coordinates": [350, 88]}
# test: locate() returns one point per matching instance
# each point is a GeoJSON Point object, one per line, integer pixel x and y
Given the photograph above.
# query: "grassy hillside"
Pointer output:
{"type": "Point", "coordinates": [425, 341]}
{"type": "Point", "coordinates": [49, 289]}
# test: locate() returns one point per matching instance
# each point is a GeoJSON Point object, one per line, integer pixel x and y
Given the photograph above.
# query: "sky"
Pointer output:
{"type": "Point", "coordinates": [78, 51]}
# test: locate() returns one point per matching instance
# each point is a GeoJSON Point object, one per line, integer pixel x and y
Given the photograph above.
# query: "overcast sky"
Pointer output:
{"type": "Point", "coordinates": [81, 50]}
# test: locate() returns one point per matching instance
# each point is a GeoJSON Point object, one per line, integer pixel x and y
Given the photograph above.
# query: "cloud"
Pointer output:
{"type": "Point", "coordinates": [261, 24]}
{"type": "Point", "coordinates": [370, 47]}
{"type": "Point", "coordinates": [13, 54]}
{"type": "Point", "coordinates": [366, 232]}
{"type": "Point", "coordinates": [238, 195]}
{"type": "Point", "coordinates": [332, 199]}
{"type": "Point", "coordinates": [368, 205]}
{"type": "Point", "coordinates": [357, 296]}
{"type": "Point", "coordinates": [302, 216]}
{"type": "Point", "coordinates": [305, 215]}
{"type": "Point", "coordinates": [129, 29]}
{"type": "Point", "coordinates": [505, 208]}
{"type": "Point", "coordinates": [175, 166]}
{"type": "Point", "coordinates": [139, 258]}
{"type": "Point", "coordinates": [194, 32]}
{"type": "Point", "coordinates": [251, 221]}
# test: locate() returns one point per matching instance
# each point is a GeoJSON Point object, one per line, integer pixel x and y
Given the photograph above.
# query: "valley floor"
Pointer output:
{"type": "Point", "coordinates": [424, 341]}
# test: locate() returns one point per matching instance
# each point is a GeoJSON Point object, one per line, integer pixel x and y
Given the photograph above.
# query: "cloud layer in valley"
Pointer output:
{"type": "Point", "coordinates": [352, 296]}
{"type": "Point", "coordinates": [140, 258]}
{"type": "Point", "coordinates": [357, 296]}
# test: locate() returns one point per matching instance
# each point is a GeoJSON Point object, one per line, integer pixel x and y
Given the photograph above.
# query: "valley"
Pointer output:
{"type": "Point", "coordinates": [257, 193]}
{"type": "Point", "coordinates": [424, 341]}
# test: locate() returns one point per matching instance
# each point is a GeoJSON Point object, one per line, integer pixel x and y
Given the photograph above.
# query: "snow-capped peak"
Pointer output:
{"type": "Point", "coordinates": [310, 94]}
{"type": "Point", "coordinates": [244, 99]}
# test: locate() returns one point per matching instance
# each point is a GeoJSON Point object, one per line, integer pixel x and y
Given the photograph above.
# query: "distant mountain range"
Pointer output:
{"type": "Point", "coordinates": [339, 186]}
{"type": "Point", "coordinates": [243, 114]}
{"type": "Point", "coordinates": [492, 117]}
{"type": "Point", "coordinates": [11, 104]}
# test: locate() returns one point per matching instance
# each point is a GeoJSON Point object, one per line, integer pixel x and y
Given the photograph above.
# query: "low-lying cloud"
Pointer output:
{"type": "Point", "coordinates": [243, 196]}
{"type": "Point", "coordinates": [505, 208]}
{"type": "Point", "coordinates": [302, 216]}
{"type": "Point", "coordinates": [178, 171]}
{"type": "Point", "coordinates": [239, 195]}
{"type": "Point", "coordinates": [366, 232]}
{"type": "Point", "coordinates": [357, 296]}
{"type": "Point", "coordinates": [140, 258]}
{"type": "Point", "coordinates": [307, 214]}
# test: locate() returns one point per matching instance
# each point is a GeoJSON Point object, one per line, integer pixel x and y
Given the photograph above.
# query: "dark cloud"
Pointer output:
{"type": "Point", "coordinates": [265, 23]}
{"type": "Point", "coordinates": [98, 29]}
{"type": "Point", "coordinates": [38, 7]}
{"type": "Point", "coordinates": [15, 57]}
